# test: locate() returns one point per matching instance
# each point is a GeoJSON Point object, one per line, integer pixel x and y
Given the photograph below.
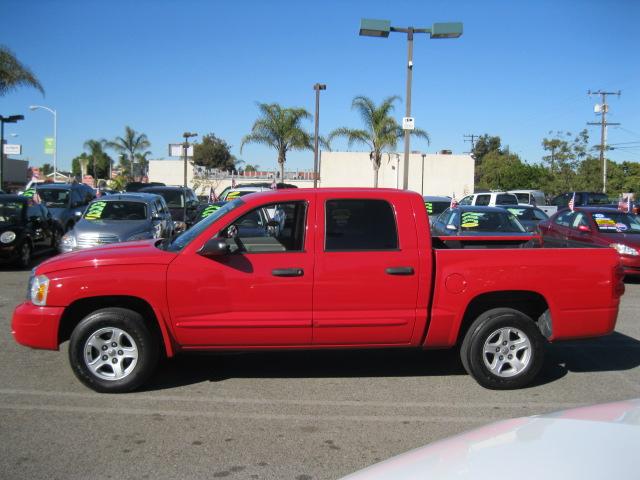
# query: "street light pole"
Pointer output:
{"type": "Point", "coordinates": [3, 120]}
{"type": "Point", "coordinates": [381, 29]}
{"type": "Point", "coordinates": [407, 133]}
{"type": "Point", "coordinates": [55, 135]}
{"type": "Point", "coordinates": [317, 87]}
{"type": "Point", "coordinates": [185, 148]}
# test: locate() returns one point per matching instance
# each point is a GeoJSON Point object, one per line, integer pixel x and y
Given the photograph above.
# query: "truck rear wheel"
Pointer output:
{"type": "Point", "coordinates": [112, 350]}
{"type": "Point", "coordinates": [503, 349]}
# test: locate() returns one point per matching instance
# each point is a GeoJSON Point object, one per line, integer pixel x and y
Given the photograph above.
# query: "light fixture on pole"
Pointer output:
{"type": "Point", "coordinates": [317, 87]}
{"type": "Point", "coordinates": [381, 29]}
{"type": "Point", "coordinates": [3, 120]}
{"type": "Point", "coordinates": [55, 135]}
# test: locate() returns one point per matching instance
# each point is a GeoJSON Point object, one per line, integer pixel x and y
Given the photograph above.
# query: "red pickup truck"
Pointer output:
{"type": "Point", "coordinates": [309, 269]}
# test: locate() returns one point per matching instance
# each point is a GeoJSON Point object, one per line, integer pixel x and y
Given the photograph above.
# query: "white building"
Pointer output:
{"type": "Point", "coordinates": [429, 174]}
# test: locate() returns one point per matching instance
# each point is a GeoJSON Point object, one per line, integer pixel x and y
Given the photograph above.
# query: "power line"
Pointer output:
{"type": "Point", "coordinates": [472, 139]}
{"type": "Point", "coordinates": [603, 108]}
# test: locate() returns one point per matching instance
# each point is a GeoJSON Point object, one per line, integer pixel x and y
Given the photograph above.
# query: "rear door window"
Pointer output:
{"type": "Point", "coordinates": [506, 199]}
{"type": "Point", "coordinates": [360, 224]}
{"type": "Point", "coordinates": [483, 200]}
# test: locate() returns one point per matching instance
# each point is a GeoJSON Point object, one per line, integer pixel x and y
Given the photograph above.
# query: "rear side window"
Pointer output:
{"type": "Point", "coordinates": [356, 224]}
{"type": "Point", "coordinates": [483, 200]}
{"type": "Point", "coordinates": [522, 197]}
{"type": "Point", "coordinates": [506, 199]}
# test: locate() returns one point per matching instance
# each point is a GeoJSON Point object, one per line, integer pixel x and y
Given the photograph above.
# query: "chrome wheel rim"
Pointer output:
{"type": "Point", "coordinates": [110, 353]}
{"type": "Point", "coordinates": [507, 352]}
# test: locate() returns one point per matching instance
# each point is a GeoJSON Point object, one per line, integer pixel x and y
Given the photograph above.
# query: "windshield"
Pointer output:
{"type": "Point", "coordinates": [490, 222]}
{"type": "Point", "coordinates": [54, 198]}
{"type": "Point", "coordinates": [113, 210]}
{"type": "Point", "coordinates": [185, 238]}
{"type": "Point", "coordinates": [527, 213]}
{"type": "Point", "coordinates": [11, 212]}
{"type": "Point", "coordinates": [616, 222]}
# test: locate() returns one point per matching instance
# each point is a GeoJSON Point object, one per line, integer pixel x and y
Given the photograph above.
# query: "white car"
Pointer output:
{"type": "Point", "coordinates": [588, 443]}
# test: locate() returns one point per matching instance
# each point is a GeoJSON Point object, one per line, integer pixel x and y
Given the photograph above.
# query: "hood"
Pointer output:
{"type": "Point", "coordinates": [587, 443]}
{"type": "Point", "coordinates": [122, 228]}
{"type": "Point", "coordinates": [142, 252]}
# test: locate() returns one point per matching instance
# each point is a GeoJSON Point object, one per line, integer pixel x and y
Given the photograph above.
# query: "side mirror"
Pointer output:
{"type": "Point", "coordinates": [77, 214]}
{"type": "Point", "coordinates": [156, 217]}
{"type": "Point", "coordinates": [584, 228]}
{"type": "Point", "coordinates": [453, 228]}
{"type": "Point", "coordinates": [216, 247]}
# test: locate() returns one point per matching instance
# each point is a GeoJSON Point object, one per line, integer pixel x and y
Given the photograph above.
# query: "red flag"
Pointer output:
{"type": "Point", "coordinates": [212, 195]}
{"type": "Point", "coordinates": [572, 202]}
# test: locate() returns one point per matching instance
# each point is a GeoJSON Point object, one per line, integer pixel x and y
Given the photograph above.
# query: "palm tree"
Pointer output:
{"type": "Point", "coordinates": [96, 153]}
{"type": "Point", "coordinates": [279, 128]}
{"type": "Point", "coordinates": [14, 74]}
{"type": "Point", "coordinates": [130, 145]}
{"type": "Point", "coordinates": [381, 131]}
{"type": "Point", "coordinates": [142, 159]}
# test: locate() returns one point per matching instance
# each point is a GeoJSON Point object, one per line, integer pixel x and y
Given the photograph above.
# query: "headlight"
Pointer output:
{"type": "Point", "coordinates": [8, 237]}
{"type": "Point", "coordinates": [139, 236]}
{"type": "Point", "coordinates": [624, 249]}
{"type": "Point", "coordinates": [39, 289]}
{"type": "Point", "coordinates": [68, 242]}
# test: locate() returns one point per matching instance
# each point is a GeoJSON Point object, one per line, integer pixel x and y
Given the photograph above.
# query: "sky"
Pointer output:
{"type": "Point", "coordinates": [521, 69]}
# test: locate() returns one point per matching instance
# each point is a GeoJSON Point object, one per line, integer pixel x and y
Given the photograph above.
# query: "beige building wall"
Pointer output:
{"type": "Point", "coordinates": [429, 174]}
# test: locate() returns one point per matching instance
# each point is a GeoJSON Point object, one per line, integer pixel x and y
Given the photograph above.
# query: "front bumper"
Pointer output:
{"type": "Point", "coordinates": [630, 265]}
{"type": "Point", "coordinates": [36, 327]}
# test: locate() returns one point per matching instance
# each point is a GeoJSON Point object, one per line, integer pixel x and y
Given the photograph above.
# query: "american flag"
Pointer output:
{"type": "Point", "coordinates": [572, 202]}
{"type": "Point", "coordinates": [274, 185]}
{"type": "Point", "coordinates": [233, 181]}
{"type": "Point", "coordinates": [454, 202]}
{"type": "Point", "coordinates": [212, 195]}
{"type": "Point", "coordinates": [625, 204]}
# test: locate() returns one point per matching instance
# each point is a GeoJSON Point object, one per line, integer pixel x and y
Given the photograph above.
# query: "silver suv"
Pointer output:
{"type": "Point", "coordinates": [489, 199]}
{"type": "Point", "coordinates": [120, 218]}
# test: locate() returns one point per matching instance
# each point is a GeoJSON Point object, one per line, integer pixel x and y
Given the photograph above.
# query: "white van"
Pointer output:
{"type": "Point", "coordinates": [489, 199]}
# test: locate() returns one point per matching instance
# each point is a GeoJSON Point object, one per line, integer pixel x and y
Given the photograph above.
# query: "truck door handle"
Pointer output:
{"type": "Point", "coordinates": [399, 271]}
{"type": "Point", "coordinates": [287, 272]}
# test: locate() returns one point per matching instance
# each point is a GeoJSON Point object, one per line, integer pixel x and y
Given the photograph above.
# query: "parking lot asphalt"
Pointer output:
{"type": "Point", "coordinates": [288, 415]}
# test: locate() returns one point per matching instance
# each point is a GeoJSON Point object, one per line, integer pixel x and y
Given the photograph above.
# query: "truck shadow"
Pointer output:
{"type": "Point", "coordinates": [616, 352]}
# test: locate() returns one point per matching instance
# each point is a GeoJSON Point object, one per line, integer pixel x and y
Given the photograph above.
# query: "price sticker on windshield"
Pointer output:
{"type": "Point", "coordinates": [209, 210]}
{"type": "Point", "coordinates": [95, 211]}
{"type": "Point", "coordinates": [429, 207]}
{"type": "Point", "coordinates": [471, 219]}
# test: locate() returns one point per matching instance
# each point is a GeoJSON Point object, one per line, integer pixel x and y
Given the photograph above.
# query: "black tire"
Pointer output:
{"type": "Point", "coordinates": [118, 372]}
{"type": "Point", "coordinates": [24, 255]}
{"type": "Point", "coordinates": [517, 363]}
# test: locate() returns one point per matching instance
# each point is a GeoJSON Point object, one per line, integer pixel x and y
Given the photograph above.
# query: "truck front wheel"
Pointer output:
{"type": "Point", "coordinates": [503, 349]}
{"type": "Point", "coordinates": [112, 350]}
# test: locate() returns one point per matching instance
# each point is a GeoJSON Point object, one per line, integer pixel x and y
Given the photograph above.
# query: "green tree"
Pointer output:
{"type": "Point", "coordinates": [280, 128]}
{"type": "Point", "coordinates": [213, 152]}
{"type": "Point", "coordinates": [566, 152]}
{"type": "Point", "coordinates": [381, 132]}
{"type": "Point", "coordinates": [130, 144]}
{"type": "Point", "coordinates": [46, 169]}
{"type": "Point", "coordinates": [251, 168]}
{"type": "Point", "coordinates": [14, 74]}
{"type": "Point", "coordinates": [76, 163]}
{"type": "Point", "coordinates": [99, 161]}
{"type": "Point", "coordinates": [483, 146]}
{"type": "Point", "coordinates": [142, 170]}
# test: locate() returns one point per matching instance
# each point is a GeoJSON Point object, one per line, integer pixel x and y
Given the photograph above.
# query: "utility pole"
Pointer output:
{"type": "Point", "coordinates": [603, 108]}
{"type": "Point", "coordinates": [472, 139]}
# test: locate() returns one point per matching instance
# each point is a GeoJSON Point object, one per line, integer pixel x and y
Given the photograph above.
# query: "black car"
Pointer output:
{"type": "Point", "coordinates": [177, 198]}
{"type": "Point", "coordinates": [528, 215]}
{"type": "Point", "coordinates": [26, 228]}
{"type": "Point", "coordinates": [65, 201]}
{"type": "Point", "coordinates": [582, 199]}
